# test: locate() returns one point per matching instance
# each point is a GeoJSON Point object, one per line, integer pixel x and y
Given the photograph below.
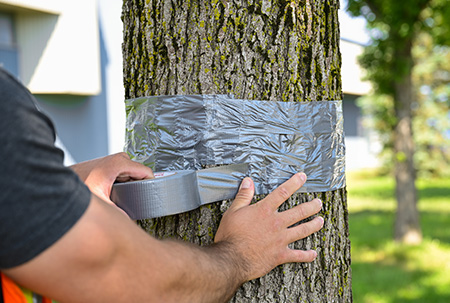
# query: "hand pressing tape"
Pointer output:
{"type": "Point", "coordinates": [178, 191]}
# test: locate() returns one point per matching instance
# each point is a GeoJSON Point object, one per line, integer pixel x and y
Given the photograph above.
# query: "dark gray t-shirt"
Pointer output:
{"type": "Point", "coordinates": [40, 198]}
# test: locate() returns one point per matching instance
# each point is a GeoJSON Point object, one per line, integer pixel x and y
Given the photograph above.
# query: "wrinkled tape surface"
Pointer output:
{"type": "Point", "coordinates": [276, 139]}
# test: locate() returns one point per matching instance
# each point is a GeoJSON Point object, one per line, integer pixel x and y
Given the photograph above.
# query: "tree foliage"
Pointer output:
{"type": "Point", "coordinates": [431, 125]}
{"type": "Point", "coordinates": [426, 25]}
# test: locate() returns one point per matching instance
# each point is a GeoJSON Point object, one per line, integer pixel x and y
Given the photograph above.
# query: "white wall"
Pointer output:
{"type": "Point", "coordinates": [111, 26]}
{"type": "Point", "coordinates": [58, 42]}
{"type": "Point", "coordinates": [352, 73]}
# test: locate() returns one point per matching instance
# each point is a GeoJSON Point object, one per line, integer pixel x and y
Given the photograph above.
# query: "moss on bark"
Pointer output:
{"type": "Point", "coordinates": [264, 50]}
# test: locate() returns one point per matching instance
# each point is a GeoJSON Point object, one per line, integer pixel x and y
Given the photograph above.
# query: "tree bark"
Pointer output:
{"type": "Point", "coordinates": [407, 225]}
{"type": "Point", "coordinates": [263, 50]}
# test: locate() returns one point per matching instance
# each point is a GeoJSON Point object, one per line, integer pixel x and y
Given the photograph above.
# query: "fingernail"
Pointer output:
{"type": "Point", "coordinates": [320, 202]}
{"type": "Point", "coordinates": [246, 183]}
{"type": "Point", "coordinates": [302, 176]}
{"type": "Point", "coordinates": [322, 221]}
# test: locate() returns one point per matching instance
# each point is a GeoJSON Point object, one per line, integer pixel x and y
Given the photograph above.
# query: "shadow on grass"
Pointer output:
{"type": "Point", "coordinates": [434, 192]}
{"type": "Point", "coordinates": [378, 282]}
{"type": "Point", "coordinates": [436, 225]}
{"type": "Point", "coordinates": [383, 187]}
{"type": "Point", "coordinates": [380, 274]}
{"type": "Point", "coordinates": [375, 227]}
{"type": "Point", "coordinates": [370, 228]}
{"type": "Point", "coordinates": [380, 193]}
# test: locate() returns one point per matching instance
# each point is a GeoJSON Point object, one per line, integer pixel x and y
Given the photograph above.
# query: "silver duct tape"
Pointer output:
{"type": "Point", "coordinates": [277, 139]}
{"type": "Point", "coordinates": [178, 191]}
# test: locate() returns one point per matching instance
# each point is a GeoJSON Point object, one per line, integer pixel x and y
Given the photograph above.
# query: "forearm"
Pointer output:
{"type": "Point", "coordinates": [203, 274]}
{"type": "Point", "coordinates": [107, 258]}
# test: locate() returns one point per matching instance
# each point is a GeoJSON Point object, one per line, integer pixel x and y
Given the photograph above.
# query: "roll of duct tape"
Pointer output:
{"type": "Point", "coordinates": [177, 191]}
{"type": "Point", "coordinates": [165, 195]}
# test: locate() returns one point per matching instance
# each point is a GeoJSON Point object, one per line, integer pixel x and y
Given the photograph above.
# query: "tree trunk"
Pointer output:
{"type": "Point", "coordinates": [407, 225]}
{"type": "Point", "coordinates": [263, 50]}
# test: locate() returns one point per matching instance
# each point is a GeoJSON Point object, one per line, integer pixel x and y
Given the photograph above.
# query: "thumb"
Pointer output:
{"type": "Point", "coordinates": [245, 194]}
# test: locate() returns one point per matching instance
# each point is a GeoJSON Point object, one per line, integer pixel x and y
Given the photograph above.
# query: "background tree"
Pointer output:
{"type": "Point", "coordinates": [389, 62]}
{"type": "Point", "coordinates": [263, 50]}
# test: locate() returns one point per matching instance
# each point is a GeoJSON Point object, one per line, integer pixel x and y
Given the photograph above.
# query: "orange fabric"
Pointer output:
{"type": "Point", "coordinates": [11, 292]}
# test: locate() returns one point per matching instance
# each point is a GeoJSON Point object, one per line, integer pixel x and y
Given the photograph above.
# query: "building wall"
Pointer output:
{"type": "Point", "coordinates": [9, 55]}
{"type": "Point", "coordinates": [58, 44]}
{"type": "Point", "coordinates": [81, 121]}
{"type": "Point", "coordinates": [111, 25]}
{"type": "Point", "coordinates": [362, 144]}
{"type": "Point", "coordinates": [62, 59]}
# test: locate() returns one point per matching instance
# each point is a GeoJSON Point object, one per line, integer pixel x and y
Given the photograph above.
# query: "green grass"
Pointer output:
{"type": "Point", "coordinates": [384, 271]}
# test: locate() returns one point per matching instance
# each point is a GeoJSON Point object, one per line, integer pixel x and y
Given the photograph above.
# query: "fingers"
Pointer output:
{"type": "Point", "coordinates": [285, 190]}
{"type": "Point", "coordinates": [244, 195]}
{"type": "Point", "coordinates": [295, 256]}
{"type": "Point", "coordinates": [302, 211]}
{"type": "Point", "coordinates": [303, 230]}
{"type": "Point", "coordinates": [131, 170]}
{"type": "Point", "coordinates": [299, 232]}
{"type": "Point", "coordinates": [138, 171]}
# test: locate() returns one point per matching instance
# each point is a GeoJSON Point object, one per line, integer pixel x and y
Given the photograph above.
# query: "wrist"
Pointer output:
{"type": "Point", "coordinates": [206, 274]}
{"type": "Point", "coordinates": [234, 264]}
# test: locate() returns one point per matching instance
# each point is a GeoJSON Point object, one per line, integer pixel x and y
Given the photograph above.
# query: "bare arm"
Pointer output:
{"type": "Point", "coordinates": [106, 258]}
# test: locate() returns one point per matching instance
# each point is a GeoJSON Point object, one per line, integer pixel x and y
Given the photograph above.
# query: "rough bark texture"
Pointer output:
{"type": "Point", "coordinates": [265, 50]}
{"type": "Point", "coordinates": [407, 224]}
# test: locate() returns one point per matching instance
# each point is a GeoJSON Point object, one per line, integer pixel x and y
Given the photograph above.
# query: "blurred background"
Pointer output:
{"type": "Point", "coordinates": [68, 53]}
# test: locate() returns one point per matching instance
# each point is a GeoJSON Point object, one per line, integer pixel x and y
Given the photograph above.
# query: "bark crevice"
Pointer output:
{"type": "Point", "coordinates": [264, 50]}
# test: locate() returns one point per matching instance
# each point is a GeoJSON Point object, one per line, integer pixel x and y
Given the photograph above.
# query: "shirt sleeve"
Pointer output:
{"type": "Point", "coordinates": [40, 198]}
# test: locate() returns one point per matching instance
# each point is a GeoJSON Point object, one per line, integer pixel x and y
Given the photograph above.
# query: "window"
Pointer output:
{"type": "Point", "coordinates": [8, 50]}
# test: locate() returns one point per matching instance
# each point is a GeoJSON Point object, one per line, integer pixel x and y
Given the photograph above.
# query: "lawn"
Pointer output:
{"type": "Point", "coordinates": [387, 272]}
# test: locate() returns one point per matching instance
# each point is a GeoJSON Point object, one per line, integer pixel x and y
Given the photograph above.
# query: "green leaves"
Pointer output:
{"type": "Point", "coordinates": [409, 39]}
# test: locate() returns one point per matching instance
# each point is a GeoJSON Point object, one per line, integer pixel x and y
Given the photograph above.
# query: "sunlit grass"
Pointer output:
{"type": "Point", "coordinates": [388, 272]}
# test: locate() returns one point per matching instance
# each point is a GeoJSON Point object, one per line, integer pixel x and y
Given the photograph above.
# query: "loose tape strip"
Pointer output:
{"type": "Point", "coordinates": [179, 191]}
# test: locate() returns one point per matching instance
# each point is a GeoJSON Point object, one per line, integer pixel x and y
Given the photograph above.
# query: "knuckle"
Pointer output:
{"type": "Point", "coordinates": [300, 212]}
{"type": "Point", "coordinates": [302, 231]}
{"type": "Point", "coordinates": [123, 155]}
{"type": "Point", "coordinates": [305, 229]}
{"type": "Point", "coordinates": [241, 196]}
{"type": "Point", "coordinates": [284, 256]}
{"type": "Point", "coordinates": [283, 193]}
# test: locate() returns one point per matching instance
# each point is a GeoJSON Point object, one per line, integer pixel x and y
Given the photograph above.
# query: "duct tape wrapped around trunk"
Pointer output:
{"type": "Point", "coordinates": [276, 139]}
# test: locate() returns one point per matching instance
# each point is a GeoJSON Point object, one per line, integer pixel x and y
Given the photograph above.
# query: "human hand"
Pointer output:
{"type": "Point", "coordinates": [260, 235]}
{"type": "Point", "coordinates": [100, 174]}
